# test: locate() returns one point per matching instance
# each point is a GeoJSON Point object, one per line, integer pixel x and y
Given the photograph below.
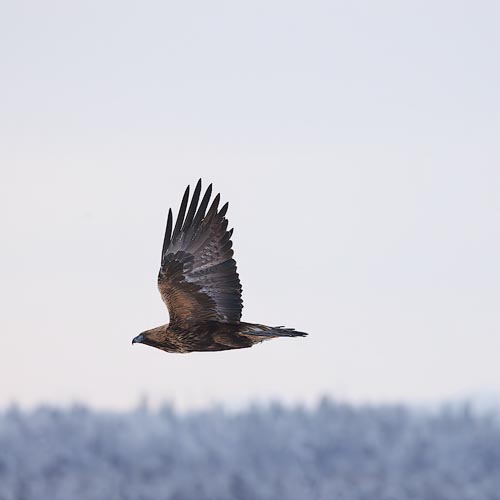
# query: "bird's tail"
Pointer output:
{"type": "Point", "coordinates": [271, 331]}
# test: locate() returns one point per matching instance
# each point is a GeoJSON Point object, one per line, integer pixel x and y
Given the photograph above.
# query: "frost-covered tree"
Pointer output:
{"type": "Point", "coordinates": [332, 452]}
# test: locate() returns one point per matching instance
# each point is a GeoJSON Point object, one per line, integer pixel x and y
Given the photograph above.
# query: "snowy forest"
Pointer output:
{"type": "Point", "coordinates": [333, 451]}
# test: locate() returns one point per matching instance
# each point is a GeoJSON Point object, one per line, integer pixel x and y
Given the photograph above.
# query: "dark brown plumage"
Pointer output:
{"type": "Point", "coordinates": [200, 286]}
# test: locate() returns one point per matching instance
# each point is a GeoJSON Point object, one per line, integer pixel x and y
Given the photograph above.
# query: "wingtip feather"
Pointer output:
{"type": "Point", "coordinates": [180, 215]}
{"type": "Point", "coordinates": [168, 234]}
{"type": "Point", "coordinates": [192, 206]}
{"type": "Point", "coordinates": [223, 210]}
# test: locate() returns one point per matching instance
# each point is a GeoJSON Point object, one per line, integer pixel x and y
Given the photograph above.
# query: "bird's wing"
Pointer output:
{"type": "Point", "coordinates": [198, 279]}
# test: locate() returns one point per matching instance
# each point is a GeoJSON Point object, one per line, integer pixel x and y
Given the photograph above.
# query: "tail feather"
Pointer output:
{"type": "Point", "coordinates": [272, 331]}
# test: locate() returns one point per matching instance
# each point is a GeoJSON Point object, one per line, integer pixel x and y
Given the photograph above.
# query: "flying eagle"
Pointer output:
{"type": "Point", "coordinates": [200, 286]}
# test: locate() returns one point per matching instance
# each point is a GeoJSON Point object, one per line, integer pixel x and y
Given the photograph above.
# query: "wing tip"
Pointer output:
{"type": "Point", "coordinates": [223, 210]}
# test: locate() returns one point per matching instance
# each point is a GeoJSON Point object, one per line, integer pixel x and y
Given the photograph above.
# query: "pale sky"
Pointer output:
{"type": "Point", "coordinates": [356, 142]}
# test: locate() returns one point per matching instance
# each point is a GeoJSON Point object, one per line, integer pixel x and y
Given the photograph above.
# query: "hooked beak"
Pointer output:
{"type": "Point", "coordinates": [138, 339]}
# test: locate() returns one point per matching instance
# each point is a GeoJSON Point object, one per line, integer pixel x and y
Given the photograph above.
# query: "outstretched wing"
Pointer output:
{"type": "Point", "coordinates": [198, 279]}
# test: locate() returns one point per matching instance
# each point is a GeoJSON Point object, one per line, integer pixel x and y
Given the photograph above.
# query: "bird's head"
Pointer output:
{"type": "Point", "coordinates": [151, 337]}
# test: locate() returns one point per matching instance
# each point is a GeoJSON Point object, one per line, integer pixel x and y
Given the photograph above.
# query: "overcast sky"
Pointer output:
{"type": "Point", "coordinates": [356, 142]}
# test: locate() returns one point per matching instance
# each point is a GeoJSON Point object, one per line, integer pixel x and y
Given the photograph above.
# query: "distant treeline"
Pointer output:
{"type": "Point", "coordinates": [333, 452]}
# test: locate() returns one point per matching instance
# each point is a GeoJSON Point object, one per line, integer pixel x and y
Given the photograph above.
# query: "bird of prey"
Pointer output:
{"type": "Point", "coordinates": [200, 286]}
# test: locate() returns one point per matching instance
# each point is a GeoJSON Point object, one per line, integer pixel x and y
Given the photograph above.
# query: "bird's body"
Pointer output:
{"type": "Point", "coordinates": [200, 286]}
{"type": "Point", "coordinates": [212, 336]}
